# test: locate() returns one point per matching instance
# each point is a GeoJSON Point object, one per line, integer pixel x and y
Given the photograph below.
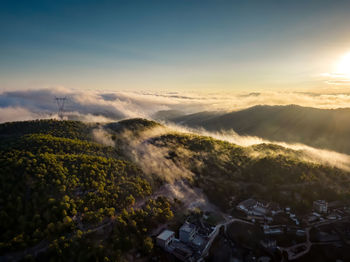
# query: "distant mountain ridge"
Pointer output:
{"type": "Point", "coordinates": [321, 128]}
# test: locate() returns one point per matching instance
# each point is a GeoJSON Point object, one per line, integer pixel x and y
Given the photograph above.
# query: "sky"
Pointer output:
{"type": "Point", "coordinates": [182, 45]}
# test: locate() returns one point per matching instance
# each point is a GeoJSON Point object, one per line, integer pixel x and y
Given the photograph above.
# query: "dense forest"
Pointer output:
{"type": "Point", "coordinates": [58, 187]}
{"type": "Point", "coordinates": [263, 171]}
{"type": "Point", "coordinates": [65, 197]}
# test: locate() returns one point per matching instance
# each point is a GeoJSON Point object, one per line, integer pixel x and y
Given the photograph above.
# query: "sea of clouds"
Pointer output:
{"type": "Point", "coordinates": [104, 106]}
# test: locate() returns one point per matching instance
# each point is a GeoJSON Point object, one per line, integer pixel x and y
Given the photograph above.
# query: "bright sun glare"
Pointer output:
{"type": "Point", "coordinates": [343, 66]}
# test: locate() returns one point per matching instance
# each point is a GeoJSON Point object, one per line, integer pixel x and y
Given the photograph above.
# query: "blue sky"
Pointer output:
{"type": "Point", "coordinates": [171, 45]}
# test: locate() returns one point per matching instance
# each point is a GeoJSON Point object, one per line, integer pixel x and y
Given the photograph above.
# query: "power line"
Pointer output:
{"type": "Point", "coordinates": [60, 104]}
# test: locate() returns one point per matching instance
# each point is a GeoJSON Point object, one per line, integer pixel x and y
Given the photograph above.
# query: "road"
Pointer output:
{"type": "Point", "coordinates": [307, 245]}
{"type": "Point", "coordinates": [190, 197]}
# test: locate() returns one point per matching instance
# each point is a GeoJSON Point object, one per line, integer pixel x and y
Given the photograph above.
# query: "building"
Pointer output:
{"type": "Point", "coordinates": [246, 205]}
{"type": "Point", "coordinates": [184, 254]}
{"type": "Point", "coordinates": [253, 207]}
{"type": "Point", "coordinates": [193, 243]}
{"type": "Point", "coordinates": [320, 206]}
{"type": "Point", "coordinates": [269, 243]}
{"type": "Point", "coordinates": [187, 232]}
{"type": "Point", "coordinates": [300, 232]}
{"type": "Point", "coordinates": [312, 219]}
{"type": "Point", "coordinates": [165, 238]}
{"type": "Point", "coordinates": [273, 231]}
{"type": "Point", "coordinates": [198, 242]}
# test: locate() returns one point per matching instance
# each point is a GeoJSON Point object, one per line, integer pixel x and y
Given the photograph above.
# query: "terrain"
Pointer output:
{"type": "Point", "coordinates": [320, 128]}
{"type": "Point", "coordinates": [74, 191]}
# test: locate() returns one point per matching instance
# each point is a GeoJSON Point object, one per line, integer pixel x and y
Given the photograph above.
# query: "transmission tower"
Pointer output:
{"type": "Point", "coordinates": [60, 104]}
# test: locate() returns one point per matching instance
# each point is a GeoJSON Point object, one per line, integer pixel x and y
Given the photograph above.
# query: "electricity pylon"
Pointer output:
{"type": "Point", "coordinates": [60, 104]}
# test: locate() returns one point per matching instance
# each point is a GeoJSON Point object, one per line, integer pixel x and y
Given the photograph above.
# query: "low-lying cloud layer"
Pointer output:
{"type": "Point", "coordinates": [103, 106]}
{"type": "Point", "coordinates": [312, 154]}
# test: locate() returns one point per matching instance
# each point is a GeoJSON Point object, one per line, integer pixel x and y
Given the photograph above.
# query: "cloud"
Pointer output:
{"type": "Point", "coordinates": [104, 106]}
{"type": "Point", "coordinates": [152, 159]}
{"type": "Point", "coordinates": [9, 114]}
{"type": "Point", "coordinates": [311, 154]}
{"type": "Point", "coordinates": [102, 137]}
{"type": "Point", "coordinates": [336, 79]}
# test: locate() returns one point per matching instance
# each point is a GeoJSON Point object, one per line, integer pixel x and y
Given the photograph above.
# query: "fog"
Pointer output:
{"type": "Point", "coordinates": [153, 159]}
{"type": "Point", "coordinates": [107, 106]}
{"type": "Point", "coordinates": [312, 154]}
{"type": "Point", "coordinates": [104, 106]}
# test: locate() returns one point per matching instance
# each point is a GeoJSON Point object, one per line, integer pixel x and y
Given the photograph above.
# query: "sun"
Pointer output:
{"type": "Point", "coordinates": [343, 65]}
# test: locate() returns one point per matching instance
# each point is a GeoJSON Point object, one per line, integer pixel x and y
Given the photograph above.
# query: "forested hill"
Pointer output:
{"type": "Point", "coordinates": [58, 188]}
{"type": "Point", "coordinates": [73, 199]}
{"type": "Point", "coordinates": [321, 128]}
{"type": "Point", "coordinates": [67, 129]}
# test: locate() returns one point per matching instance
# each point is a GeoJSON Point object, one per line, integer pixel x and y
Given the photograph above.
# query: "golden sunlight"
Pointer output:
{"type": "Point", "coordinates": [343, 66]}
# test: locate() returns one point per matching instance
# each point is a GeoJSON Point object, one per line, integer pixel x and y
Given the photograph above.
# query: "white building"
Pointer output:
{"type": "Point", "coordinates": [165, 238]}
{"type": "Point", "coordinates": [187, 232]}
{"type": "Point", "coordinates": [320, 206]}
{"type": "Point", "coordinates": [253, 207]}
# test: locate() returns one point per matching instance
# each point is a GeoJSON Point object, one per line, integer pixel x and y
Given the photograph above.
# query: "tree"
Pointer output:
{"type": "Point", "coordinates": [147, 245]}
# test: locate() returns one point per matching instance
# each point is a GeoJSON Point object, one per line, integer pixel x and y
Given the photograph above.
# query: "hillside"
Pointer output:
{"type": "Point", "coordinates": [59, 189]}
{"type": "Point", "coordinates": [321, 128]}
{"type": "Point", "coordinates": [265, 171]}
{"type": "Point", "coordinates": [71, 198]}
{"type": "Point", "coordinates": [223, 169]}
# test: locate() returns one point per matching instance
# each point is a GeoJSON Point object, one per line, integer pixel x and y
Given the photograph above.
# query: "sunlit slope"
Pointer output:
{"type": "Point", "coordinates": [274, 173]}
{"type": "Point", "coordinates": [269, 171]}
{"type": "Point", "coordinates": [321, 128]}
{"type": "Point", "coordinates": [57, 182]}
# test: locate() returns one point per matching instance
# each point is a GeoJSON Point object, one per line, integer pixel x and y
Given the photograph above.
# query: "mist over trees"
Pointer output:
{"type": "Point", "coordinates": [59, 187]}
{"type": "Point", "coordinates": [320, 128]}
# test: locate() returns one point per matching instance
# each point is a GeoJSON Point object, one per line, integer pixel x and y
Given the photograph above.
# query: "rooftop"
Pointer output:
{"type": "Point", "coordinates": [248, 203]}
{"type": "Point", "coordinates": [165, 234]}
{"type": "Point", "coordinates": [198, 241]}
{"type": "Point", "coordinates": [187, 227]}
{"type": "Point", "coordinates": [321, 202]}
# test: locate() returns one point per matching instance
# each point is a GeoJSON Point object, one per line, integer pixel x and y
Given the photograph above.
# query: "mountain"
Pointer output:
{"type": "Point", "coordinates": [66, 196]}
{"type": "Point", "coordinates": [320, 128]}
{"type": "Point", "coordinates": [60, 190]}
{"type": "Point", "coordinates": [167, 114]}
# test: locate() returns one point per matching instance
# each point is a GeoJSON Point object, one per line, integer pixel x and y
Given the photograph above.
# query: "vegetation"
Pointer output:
{"type": "Point", "coordinates": [75, 199]}
{"type": "Point", "coordinates": [67, 129]}
{"type": "Point", "coordinates": [270, 172]}
{"type": "Point", "coordinates": [134, 125]}
{"type": "Point", "coordinates": [58, 187]}
{"type": "Point", "coordinates": [290, 123]}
